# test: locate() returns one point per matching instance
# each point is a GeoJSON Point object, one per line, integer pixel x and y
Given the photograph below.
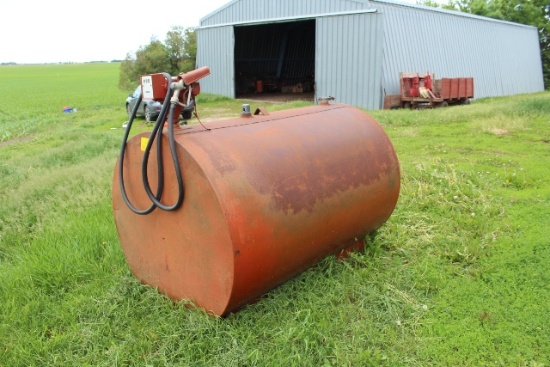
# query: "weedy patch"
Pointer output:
{"type": "Point", "coordinates": [498, 131]}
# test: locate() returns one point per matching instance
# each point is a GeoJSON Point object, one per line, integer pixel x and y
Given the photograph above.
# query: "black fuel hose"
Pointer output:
{"type": "Point", "coordinates": [156, 133]}
{"type": "Point", "coordinates": [121, 165]}
{"type": "Point", "coordinates": [173, 151]}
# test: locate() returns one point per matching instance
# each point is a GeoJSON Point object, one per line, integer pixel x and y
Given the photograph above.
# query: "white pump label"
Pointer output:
{"type": "Point", "coordinates": [147, 87]}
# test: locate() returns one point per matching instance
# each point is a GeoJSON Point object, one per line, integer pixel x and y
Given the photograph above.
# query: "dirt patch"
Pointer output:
{"type": "Point", "coordinates": [7, 143]}
{"type": "Point", "coordinates": [207, 114]}
{"type": "Point", "coordinates": [499, 132]}
{"type": "Point", "coordinates": [278, 97]}
{"type": "Point", "coordinates": [212, 118]}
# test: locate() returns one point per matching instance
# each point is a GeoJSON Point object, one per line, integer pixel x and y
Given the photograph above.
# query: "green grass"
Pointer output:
{"type": "Point", "coordinates": [456, 277]}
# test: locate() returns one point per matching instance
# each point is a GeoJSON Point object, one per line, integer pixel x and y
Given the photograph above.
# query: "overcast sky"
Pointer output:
{"type": "Point", "coordinates": [44, 31]}
{"type": "Point", "coordinates": [39, 31]}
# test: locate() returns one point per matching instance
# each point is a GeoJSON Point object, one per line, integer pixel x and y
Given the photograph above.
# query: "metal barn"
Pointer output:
{"type": "Point", "coordinates": [354, 49]}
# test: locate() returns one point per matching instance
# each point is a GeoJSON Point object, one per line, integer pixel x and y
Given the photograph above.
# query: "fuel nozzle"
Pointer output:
{"type": "Point", "coordinates": [194, 75]}
{"type": "Point", "coordinates": [176, 86]}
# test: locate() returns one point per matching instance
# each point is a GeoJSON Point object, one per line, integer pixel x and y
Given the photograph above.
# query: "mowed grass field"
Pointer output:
{"type": "Point", "coordinates": [458, 276]}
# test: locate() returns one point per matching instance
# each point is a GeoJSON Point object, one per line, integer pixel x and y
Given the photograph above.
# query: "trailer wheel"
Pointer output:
{"type": "Point", "coordinates": [443, 104]}
{"type": "Point", "coordinates": [407, 105]}
{"type": "Point", "coordinates": [465, 101]}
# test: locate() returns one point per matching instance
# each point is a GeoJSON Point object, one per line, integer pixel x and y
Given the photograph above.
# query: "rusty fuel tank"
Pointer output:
{"type": "Point", "coordinates": [265, 198]}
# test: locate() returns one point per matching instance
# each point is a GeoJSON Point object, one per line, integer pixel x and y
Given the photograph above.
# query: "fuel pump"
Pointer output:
{"type": "Point", "coordinates": [176, 93]}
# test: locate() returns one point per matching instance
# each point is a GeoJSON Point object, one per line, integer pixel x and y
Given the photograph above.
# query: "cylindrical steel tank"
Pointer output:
{"type": "Point", "coordinates": [266, 197]}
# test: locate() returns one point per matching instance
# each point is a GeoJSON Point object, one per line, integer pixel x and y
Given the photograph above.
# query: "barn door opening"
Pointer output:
{"type": "Point", "coordinates": [275, 61]}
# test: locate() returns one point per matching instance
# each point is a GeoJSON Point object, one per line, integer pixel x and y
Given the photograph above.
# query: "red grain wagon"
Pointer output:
{"type": "Point", "coordinates": [422, 90]}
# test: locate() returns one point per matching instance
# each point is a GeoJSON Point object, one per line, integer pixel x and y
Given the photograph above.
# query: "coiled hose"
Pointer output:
{"type": "Point", "coordinates": [156, 134]}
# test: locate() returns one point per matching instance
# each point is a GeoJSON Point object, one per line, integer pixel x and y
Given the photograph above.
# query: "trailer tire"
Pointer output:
{"type": "Point", "coordinates": [407, 105]}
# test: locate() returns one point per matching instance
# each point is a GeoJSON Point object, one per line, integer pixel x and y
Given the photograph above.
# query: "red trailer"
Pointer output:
{"type": "Point", "coordinates": [422, 90]}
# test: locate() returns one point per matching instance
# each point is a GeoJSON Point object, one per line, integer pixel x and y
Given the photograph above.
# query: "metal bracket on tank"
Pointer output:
{"type": "Point", "coordinates": [261, 111]}
{"type": "Point", "coordinates": [325, 100]}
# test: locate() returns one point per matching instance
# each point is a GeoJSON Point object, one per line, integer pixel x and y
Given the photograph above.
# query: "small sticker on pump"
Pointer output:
{"type": "Point", "coordinates": [144, 142]}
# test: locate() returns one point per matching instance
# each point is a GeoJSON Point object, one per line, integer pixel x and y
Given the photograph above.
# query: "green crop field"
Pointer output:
{"type": "Point", "coordinates": [458, 276]}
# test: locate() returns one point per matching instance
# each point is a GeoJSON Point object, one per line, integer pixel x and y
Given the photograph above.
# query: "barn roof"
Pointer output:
{"type": "Point", "coordinates": [323, 8]}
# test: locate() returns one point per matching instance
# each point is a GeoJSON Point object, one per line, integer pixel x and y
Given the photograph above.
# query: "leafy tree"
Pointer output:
{"type": "Point", "coordinates": [126, 78]}
{"type": "Point", "coordinates": [177, 54]}
{"type": "Point", "coordinates": [181, 45]}
{"type": "Point", "coordinates": [530, 12]}
{"type": "Point", "coordinates": [432, 3]}
{"type": "Point", "coordinates": [479, 7]}
{"type": "Point", "coordinates": [189, 58]}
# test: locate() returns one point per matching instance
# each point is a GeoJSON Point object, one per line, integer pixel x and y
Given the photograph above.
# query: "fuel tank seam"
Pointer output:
{"type": "Point", "coordinates": [187, 131]}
